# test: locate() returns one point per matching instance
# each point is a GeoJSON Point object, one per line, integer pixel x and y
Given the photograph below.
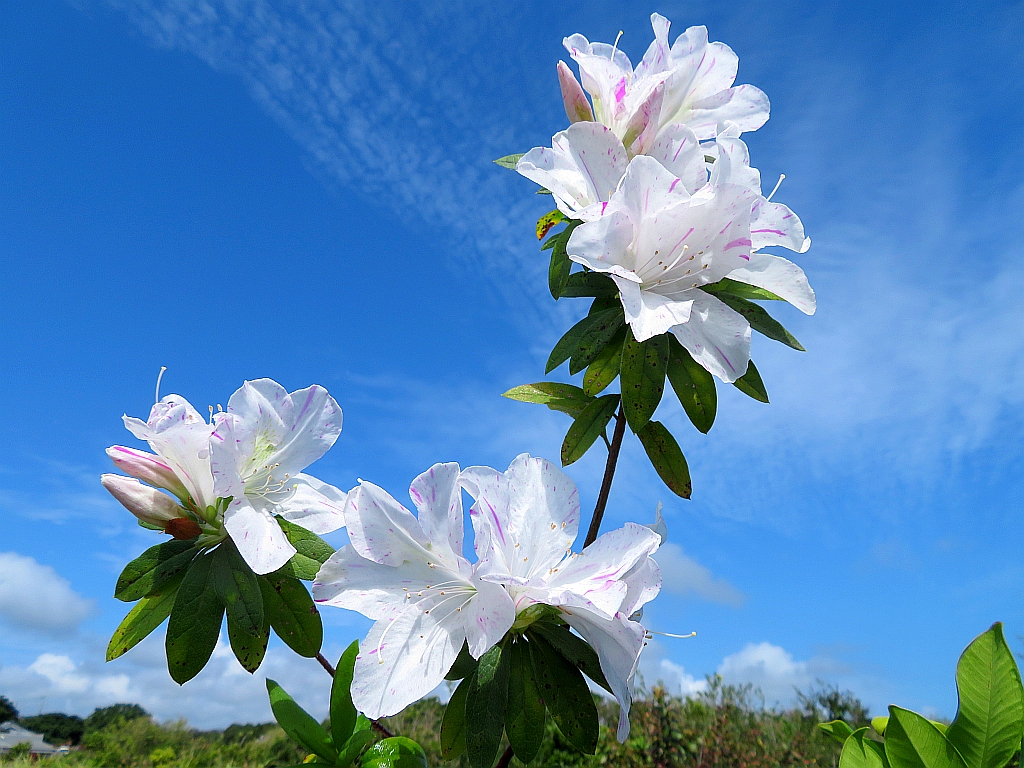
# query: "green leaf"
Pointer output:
{"type": "Point", "coordinates": [542, 191]}
{"type": "Point", "coordinates": [761, 321]}
{"type": "Point", "coordinates": [667, 458]}
{"type": "Point", "coordinates": [574, 649]}
{"type": "Point", "coordinates": [561, 265]}
{"type": "Point", "coordinates": [594, 341]}
{"type": "Point", "coordinates": [524, 722]}
{"type": "Point", "coordinates": [547, 221]}
{"type": "Point", "coordinates": [642, 377]}
{"type": "Point", "coordinates": [154, 567]}
{"type": "Point", "coordinates": [587, 427]}
{"type": "Point", "coordinates": [148, 614]}
{"type": "Point", "coordinates": [913, 742]}
{"type": "Point", "coordinates": [694, 386]}
{"type": "Point", "coordinates": [453, 724]}
{"type": "Point", "coordinates": [311, 550]}
{"type": "Point", "coordinates": [861, 752]}
{"type": "Point", "coordinates": [742, 290]}
{"type": "Point", "coordinates": [837, 729]}
{"type": "Point", "coordinates": [605, 367]}
{"type": "Point", "coordinates": [343, 711]}
{"type": "Point", "coordinates": [351, 748]}
{"type": "Point", "coordinates": [463, 666]}
{"type": "Point", "coordinates": [239, 590]}
{"type": "Point", "coordinates": [194, 626]}
{"type": "Point", "coordinates": [299, 724]}
{"type": "Point", "coordinates": [750, 384]}
{"type": "Point", "coordinates": [558, 397]}
{"type": "Point", "coordinates": [486, 702]}
{"type": "Point", "coordinates": [584, 284]}
{"type": "Point", "coordinates": [879, 724]}
{"type": "Point", "coordinates": [395, 752]}
{"type": "Point", "coordinates": [990, 717]}
{"type": "Point", "coordinates": [568, 344]}
{"type": "Point", "coordinates": [509, 161]}
{"type": "Point", "coordinates": [566, 695]}
{"type": "Point", "coordinates": [292, 613]}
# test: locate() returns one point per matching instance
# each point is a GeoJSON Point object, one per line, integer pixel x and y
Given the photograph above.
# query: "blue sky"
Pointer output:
{"type": "Point", "coordinates": [304, 191]}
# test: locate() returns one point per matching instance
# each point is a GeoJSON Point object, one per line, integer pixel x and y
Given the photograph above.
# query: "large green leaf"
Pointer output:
{"type": "Point", "coordinates": [292, 613]}
{"type": "Point", "coordinates": [463, 666]}
{"type": "Point", "coordinates": [509, 161]}
{"type": "Point", "coordinates": [605, 367]}
{"type": "Point", "coordinates": [311, 551]}
{"type": "Point", "coordinates": [990, 719]}
{"type": "Point", "coordinates": [694, 386]}
{"type": "Point", "coordinates": [299, 724]}
{"type": "Point", "coordinates": [395, 752]}
{"type": "Point", "coordinates": [154, 567]}
{"type": "Point", "coordinates": [750, 384]}
{"type": "Point", "coordinates": [761, 321]}
{"type": "Point", "coordinates": [742, 290]}
{"type": "Point", "coordinates": [574, 649]}
{"type": "Point", "coordinates": [148, 614]}
{"type": "Point", "coordinates": [587, 427]}
{"type": "Point", "coordinates": [351, 748]}
{"type": "Point", "coordinates": [642, 377]}
{"type": "Point", "coordinates": [453, 724]}
{"type": "Point", "coordinates": [566, 695]}
{"type": "Point", "coordinates": [239, 590]}
{"type": "Point", "coordinates": [839, 730]}
{"type": "Point", "coordinates": [584, 284]}
{"type": "Point", "coordinates": [594, 341]}
{"type": "Point", "coordinates": [561, 265]}
{"type": "Point", "coordinates": [861, 752]}
{"type": "Point", "coordinates": [343, 711]}
{"type": "Point", "coordinates": [566, 398]}
{"type": "Point", "coordinates": [569, 342]}
{"type": "Point", "coordinates": [666, 457]}
{"type": "Point", "coordinates": [524, 722]}
{"type": "Point", "coordinates": [194, 626]}
{"type": "Point", "coordinates": [486, 704]}
{"type": "Point", "coordinates": [911, 741]}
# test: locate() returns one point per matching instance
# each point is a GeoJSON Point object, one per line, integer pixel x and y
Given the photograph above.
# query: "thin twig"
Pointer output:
{"type": "Point", "coordinates": [377, 725]}
{"type": "Point", "coordinates": [505, 759]}
{"type": "Point", "coordinates": [325, 664]}
{"type": "Point", "coordinates": [609, 473]}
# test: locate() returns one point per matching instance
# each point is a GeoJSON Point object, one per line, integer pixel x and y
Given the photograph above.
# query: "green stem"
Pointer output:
{"type": "Point", "coordinates": [609, 474]}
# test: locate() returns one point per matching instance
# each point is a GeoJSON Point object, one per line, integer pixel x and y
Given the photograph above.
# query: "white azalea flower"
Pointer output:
{"type": "Point", "coordinates": [689, 82]}
{"type": "Point", "coordinates": [408, 574]}
{"type": "Point", "coordinates": [525, 521]}
{"type": "Point", "coordinates": [257, 453]}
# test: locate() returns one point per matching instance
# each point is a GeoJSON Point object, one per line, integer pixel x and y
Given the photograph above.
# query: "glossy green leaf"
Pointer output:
{"type": "Point", "coordinates": [565, 398]}
{"type": "Point", "coordinates": [524, 722]}
{"type": "Point", "coordinates": [486, 704]}
{"type": "Point", "coordinates": [837, 729]}
{"type": "Point", "coordinates": [990, 718]}
{"type": "Point", "coordinates": [395, 752]}
{"type": "Point", "coordinates": [558, 270]}
{"type": "Point", "coordinates": [913, 742]}
{"type": "Point", "coordinates": [741, 290]}
{"type": "Point", "coordinates": [547, 221]}
{"type": "Point", "coordinates": [154, 567]}
{"type": "Point", "coordinates": [463, 666]}
{"type": "Point", "coordinates": [666, 457]}
{"type": "Point", "coordinates": [861, 752]}
{"type": "Point", "coordinates": [575, 649]}
{"type": "Point", "coordinates": [343, 711]}
{"type": "Point", "coordinates": [605, 367]}
{"type": "Point", "coordinates": [148, 614]}
{"type": "Point", "coordinates": [642, 377]}
{"type": "Point", "coordinates": [750, 384]}
{"type": "Point", "coordinates": [299, 724]}
{"type": "Point", "coordinates": [761, 321]}
{"type": "Point", "coordinates": [879, 724]}
{"type": "Point", "coordinates": [694, 386]}
{"type": "Point", "coordinates": [566, 695]}
{"type": "Point", "coordinates": [570, 341]}
{"type": "Point", "coordinates": [353, 747]}
{"type": "Point", "coordinates": [250, 649]}
{"type": "Point", "coordinates": [594, 342]}
{"type": "Point", "coordinates": [587, 427]}
{"type": "Point", "coordinates": [453, 724]}
{"type": "Point", "coordinates": [509, 161]}
{"type": "Point", "coordinates": [292, 613]}
{"type": "Point", "coordinates": [239, 590]}
{"type": "Point", "coordinates": [585, 284]}
{"type": "Point", "coordinates": [311, 550]}
{"type": "Point", "coordinates": [194, 626]}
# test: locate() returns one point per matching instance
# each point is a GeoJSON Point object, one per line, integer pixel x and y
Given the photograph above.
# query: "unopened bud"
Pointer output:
{"type": "Point", "coordinates": [148, 467]}
{"type": "Point", "coordinates": [183, 528]}
{"type": "Point", "coordinates": [577, 108]}
{"type": "Point", "coordinates": [147, 504]}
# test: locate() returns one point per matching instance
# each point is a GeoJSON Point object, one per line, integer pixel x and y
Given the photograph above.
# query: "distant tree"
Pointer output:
{"type": "Point", "coordinates": [7, 710]}
{"type": "Point", "coordinates": [244, 734]}
{"type": "Point", "coordinates": [104, 716]}
{"type": "Point", "coordinates": [56, 727]}
{"type": "Point", "coordinates": [826, 702]}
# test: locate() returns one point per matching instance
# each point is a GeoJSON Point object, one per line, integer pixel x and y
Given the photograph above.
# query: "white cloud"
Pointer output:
{"type": "Point", "coordinates": [678, 681]}
{"type": "Point", "coordinates": [35, 597]}
{"type": "Point", "coordinates": [682, 575]}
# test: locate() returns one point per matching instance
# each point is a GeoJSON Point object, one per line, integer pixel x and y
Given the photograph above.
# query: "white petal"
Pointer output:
{"type": "Point", "coordinates": [438, 499]}
{"type": "Point", "coordinates": [744, 105]}
{"type": "Point", "coordinates": [384, 531]}
{"type": "Point", "coordinates": [732, 164]}
{"type": "Point", "coordinates": [780, 276]}
{"type": "Point", "coordinates": [678, 150]}
{"type": "Point", "coordinates": [313, 504]}
{"type": "Point", "coordinates": [146, 503]}
{"type": "Point", "coordinates": [603, 245]}
{"type": "Point", "coordinates": [648, 187]}
{"type": "Point", "coordinates": [716, 336]}
{"type": "Point", "coordinates": [577, 108]}
{"type": "Point", "coordinates": [776, 224]}
{"type": "Point", "coordinates": [487, 617]}
{"type": "Point", "coordinates": [643, 583]}
{"type": "Point", "coordinates": [650, 314]}
{"type": "Point", "coordinates": [350, 581]}
{"type": "Point", "coordinates": [260, 540]}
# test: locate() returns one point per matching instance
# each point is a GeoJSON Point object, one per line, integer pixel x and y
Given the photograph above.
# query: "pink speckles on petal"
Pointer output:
{"type": "Point", "coordinates": [738, 243]}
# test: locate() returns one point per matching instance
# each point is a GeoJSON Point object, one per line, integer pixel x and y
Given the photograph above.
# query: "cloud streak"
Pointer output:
{"type": "Point", "coordinates": [35, 598]}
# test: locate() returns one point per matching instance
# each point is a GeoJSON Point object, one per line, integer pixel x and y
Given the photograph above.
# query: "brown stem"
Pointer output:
{"type": "Point", "coordinates": [325, 664]}
{"type": "Point", "coordinates": [377, 725]}
{"type": "Point", "coordinates": [505, 759]}
{"type": "Point", "coordinates": [609, 473]}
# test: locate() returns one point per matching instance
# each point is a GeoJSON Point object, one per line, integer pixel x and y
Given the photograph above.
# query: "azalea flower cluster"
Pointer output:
{"type": "Point", "coordinates": [230, 476]}
{"type": "Point", "coordinates": [409, 575]}
{"type": "Point", "coordinates": [657, 173]}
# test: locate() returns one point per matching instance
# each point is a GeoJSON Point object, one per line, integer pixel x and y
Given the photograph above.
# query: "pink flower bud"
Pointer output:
{"type": "Point", "coordinates": [147, 467]}
{"type": "Point", "coordinates": [577, 108]}
{"type": "Point", "coordinates": [147, 504]}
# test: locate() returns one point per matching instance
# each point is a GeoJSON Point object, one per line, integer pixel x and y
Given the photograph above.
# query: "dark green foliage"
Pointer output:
{"type": "Point", "coordinates": [152, 568]}
{"type": "Point", "coordinates": [7, 710]}
{"type": "Point", "coordinates": [105, 716]}
{"type": "Point", "coordinates": [56, 727]}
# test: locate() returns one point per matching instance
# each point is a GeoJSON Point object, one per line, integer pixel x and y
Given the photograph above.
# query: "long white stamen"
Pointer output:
{"type": "Point", "coordinates": [777, 185]}
{"type": "Point", "coordinates": [651, 633]}
{"type": "Point", "coordinates": [159, 376]}
{"type": "Point", "coordinates": [615, 46]}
